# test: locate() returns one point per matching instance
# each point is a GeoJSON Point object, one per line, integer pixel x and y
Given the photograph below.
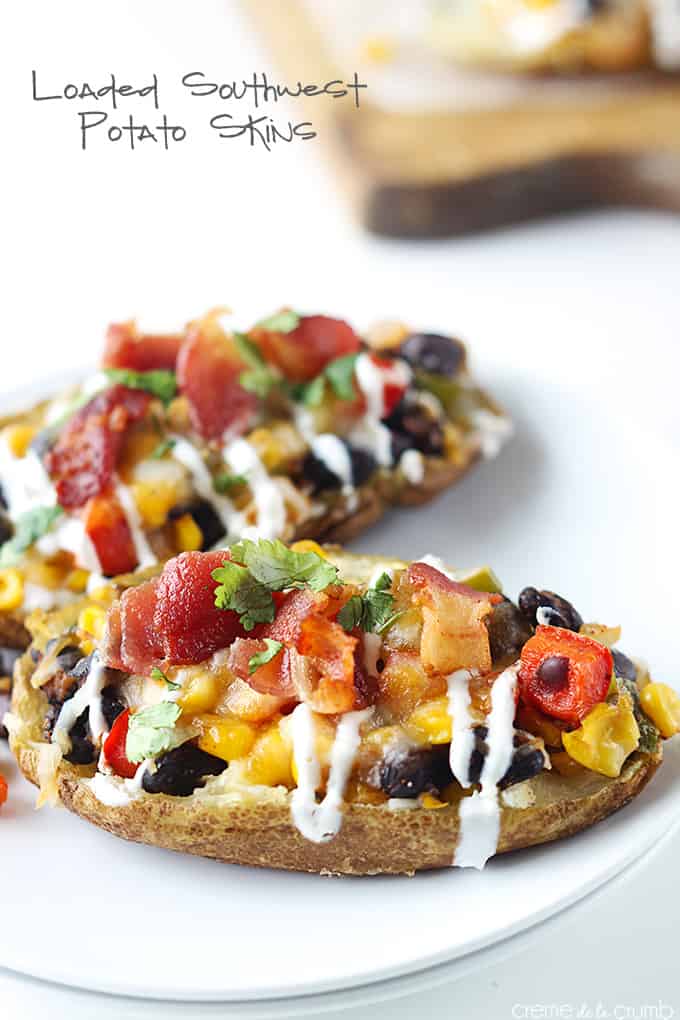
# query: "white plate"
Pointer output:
{"type": "Point", "coordinates": [584, 501]}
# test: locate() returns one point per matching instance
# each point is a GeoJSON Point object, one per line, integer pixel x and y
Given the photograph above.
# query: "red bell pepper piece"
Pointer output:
{"type": "Point", "coordinates": [3, 790]}
{"type": "Point", "coordinates": [107, 528]}
{"type": "Point", "coordinates": [563, 674]}
{"type": "Point", "coordinates": [114, 747]}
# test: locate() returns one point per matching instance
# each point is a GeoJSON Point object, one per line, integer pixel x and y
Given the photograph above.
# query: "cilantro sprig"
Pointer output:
{"type": "Point", "coordinates": [158, 674]}
{"type": "Point", "coordinates": [339, 374]}
{"type": "Point", "coordinates": [372, 611]}
{"type": "Point", "coordinates": [226, 482]}
{"type": "Point", "coordinates": [266, 655]}
{"type": "Point", "coordinates": [29, 527]}
{"type": "Point", "coordinates": [159, 382]}
{"type": "Point", "coordinates": [284, 321]}
{"type": "Point", "coordinates": [151, 731]}
{"type": "Point", "coordinates": [163, 447]}
{"type": "Point", "coordinates": [259, 377]}
{"type": "Point", "coordinates": [257, 568]}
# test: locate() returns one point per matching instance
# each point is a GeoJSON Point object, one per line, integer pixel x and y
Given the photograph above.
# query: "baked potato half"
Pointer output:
{"type": "Point", "coordinates": [338, 714]}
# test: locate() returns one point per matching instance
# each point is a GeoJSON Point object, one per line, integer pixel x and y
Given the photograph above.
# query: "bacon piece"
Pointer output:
{"type": "Point", "coordinates": [271, 678]}
{"type": "Point", "coordinates": [306, 350]}
{"type": "Point", "coordinates": [454, 634]}
{"type": "Point", "coordinates": [84, 458]}
{"type": "Point", "coordinates": [171, 620]}
{"type": "Point", "coordinates": [141, 352]}
{"type": "Point", "coordinates": [107, 528]}
{"type": "Point", "coordinates": [208, 370]}
{"type": "Point", "coordinates": [328, 686]}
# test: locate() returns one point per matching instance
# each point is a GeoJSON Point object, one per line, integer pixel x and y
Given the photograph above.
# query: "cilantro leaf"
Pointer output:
{"type": "Point", "coordinates": [163, 447]}
{"type": "Point", "coordinates": [259, 377]}
{"type": "Point", "coordinates": [29, 527]}
{"type": "Point", "coordinates": [372, 611]}
{"type": "Point", "coordinates": [158, 674]}
{"type": "Point", "coordinates": [239, 591]}
{"type": "Point", "coordinates": [340, 374]}
{"type": "Point", "coordinates": [277, 567]}
{"type": "Point", "coordinates": [226, 482]}
{"type": "Point", "coordinates": [262, 658]}
{"type": "Point", "coordinates": [351, 614]}
{"type": "Point", "coordinates": [151, 731]}
{"type": "Point", "coordinates": [284, 321]}
{"type": "Point", "coordinates": [159, 382]}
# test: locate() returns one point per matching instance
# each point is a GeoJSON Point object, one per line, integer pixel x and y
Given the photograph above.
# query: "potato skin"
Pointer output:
{"type": "Point", "coordinates": [254, 827]}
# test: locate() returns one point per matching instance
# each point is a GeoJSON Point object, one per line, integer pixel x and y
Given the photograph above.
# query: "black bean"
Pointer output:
{"type": "Point", "coordinates": [205, 515]}
{"type": "Point", "coordinates": [409, 773]}
{"type": "Point", "coordinates": [112, 706]}
{"type": "Point", "coordinates": [70, 658]}
{"type": "Point", "coordinates": [413, 428]}
{"type": "Point", "coordinates": [181, 770]}
{"type": "Point", "coordinates": [6, 526]}
{"type": "Point", "coordinates": [561, 613]}
{"type": "Point", "coordinates": [314, 470]}
{"type": "Point", "coordinates": [364, 465]}
{"type": "Point", "coordinates": [322, 478]}
{"type": "Point", "coordinates": [82, 749]}
{"type": "Point", "coordinates": [439, 355]}
{"type": "Point", "coordinates": [554, 672]}
{"type": "Point", "coordinates": [8, 658]}
{"type": "Point", "coordinates": [527, 761]}
{"type": "Point", "coordinates": [509, 631]}
{"type": "Point", "coordinates": [623, 666]}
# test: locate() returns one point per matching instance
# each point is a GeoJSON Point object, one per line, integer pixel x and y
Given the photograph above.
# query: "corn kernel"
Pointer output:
{"type": "Point", "coordinates": [92, 620]}
{"type": "Point", "coordinates": [607, 735]}
{"type": "Point", "coordinates": [226, 738]}
{"type": "Point", "coordinates": [306, 545]}
{"type": "Point", "coordinates": [430, 723]}
{"type": "Point", "coordinates": [200, 693]}
{"type": "Point", "coordinates": [432, 803]}
{"type": "Point", "coordinates": [11, 589]}
{"type": "Point", "coordinates": [47, 575]}
{"type": "Point", "coordinates": [607, 636]}
{"type": "Point", "coordinates": [269, 760]}
{"type": "Point", "coordinates": [324, 737]}
{"type": "Point", "coordinates": [662, 704]}
{"type": "Point", "coordinates": [188, 535]}
{"type": "Point", "coordinates": [77, 580]}
{"type": "Point", "coordinates": [154, 502]}
{"type": "Point", "coordinates": [19, 438]}
{"type": "Point", "coordinates": [270, 450]}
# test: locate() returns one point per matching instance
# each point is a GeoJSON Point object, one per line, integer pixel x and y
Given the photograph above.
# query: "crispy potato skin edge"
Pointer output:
{"type": "Point", "coordinates": [259, 831]}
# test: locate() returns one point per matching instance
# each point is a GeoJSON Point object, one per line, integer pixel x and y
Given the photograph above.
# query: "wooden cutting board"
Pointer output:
{"type": "Point", "coordinates": [506, 149]}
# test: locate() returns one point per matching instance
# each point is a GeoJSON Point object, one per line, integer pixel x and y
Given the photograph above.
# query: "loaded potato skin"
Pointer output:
{"type": "Point", "coordinates": [321, 688]}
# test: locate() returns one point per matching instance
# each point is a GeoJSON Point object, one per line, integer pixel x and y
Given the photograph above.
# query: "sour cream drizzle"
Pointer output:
{"type": "Point", "coordinates": [270, 507]}
{"type": "Point", "coordinates": [480, 815]}
{"type": "Point", "coordinates": [202, 480]}
{"type": "Point", "coordinates": [370, 433]}
{"type": "Point", "coordinates": [118, 792]}
{"type": "Point", "coordinates": [143, 551]}
{"type": "Point", "coordinates": [321, 822]}
{"type": "Point", "coordinates": [88, 696]}
{"type": "Point", "coordinates": [330, 450]}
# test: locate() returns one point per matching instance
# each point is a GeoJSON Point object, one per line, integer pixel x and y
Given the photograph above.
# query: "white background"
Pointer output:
{"type": "Point", "coordinates": [107, 234]}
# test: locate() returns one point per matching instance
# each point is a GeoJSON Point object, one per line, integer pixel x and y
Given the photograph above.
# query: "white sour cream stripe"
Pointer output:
{"type": "Point", "coordinates": [321, 822]}
{"type": "Point", "coordinates": [143, 551]}
{"type": "Point", "coordinates": [88, 696]}
{"type": "Point", "coordinates": [480, 814]}
{"type": "Point", "coordinates": [462, 736]}
{"type": "Point", "coordinates": [202, 480]}
{"type": "Point", "coordinates": [369, 433]}
{"type": "Point", "coordinates": [25, 483]}
{"type": "Point", "coordinates": [412, 464]}
{"type": "Point", "coordinates": [270, 508]}
{"type": "Point", "coordinates": [114, 792]}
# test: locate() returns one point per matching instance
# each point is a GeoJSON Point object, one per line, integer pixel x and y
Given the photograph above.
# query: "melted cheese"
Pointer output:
{"type": "Point", "coordinates": [321, 822]}
{"type": "Point", "coordinates": [270, 508]}
{"type": "Point", "coordinates": [494, 431]}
